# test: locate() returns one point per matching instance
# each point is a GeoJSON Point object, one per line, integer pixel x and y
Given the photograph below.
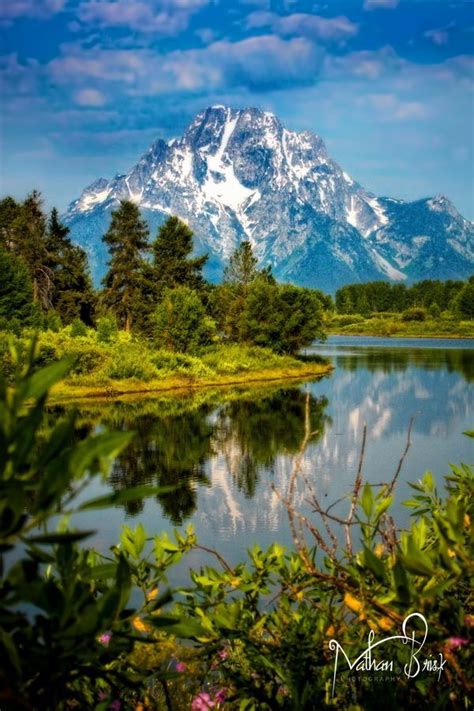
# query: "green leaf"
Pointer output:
{"type": "Point", "coordinates": [367, 500]}
{"type": "Point", "coordinates": [43, 380]}
{"type": "Point", "coordinates": [374, 564]}
{"type": "Point", "coordinates": [107, 445]}
{"type": "Point", "coordinates": [186, 627]}
{"type": "Point", "coordinates": [67, 537]}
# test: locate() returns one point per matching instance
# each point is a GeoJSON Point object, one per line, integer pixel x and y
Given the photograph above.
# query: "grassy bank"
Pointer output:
{"type": "Point", "coordinates": [126, 365]}
{"type": "Point", "coordinates": [396, 325]}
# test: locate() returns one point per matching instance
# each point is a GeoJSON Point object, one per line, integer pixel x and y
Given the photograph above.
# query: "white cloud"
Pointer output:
{"type": "Point", "coordinates": [89, 97]}
{"type": "Point", "coordinates": [376, 4]}
{"type": "Point", "coordinates": [165, 17]}
{"type": "Point", "coordinates": [326, 29]}
{"type": "Point", "coordinates": [262, 63]}
{"type": "Point", "coordinates": [391, 107]}
{"type": "Point", "coordinates": [13, 9]}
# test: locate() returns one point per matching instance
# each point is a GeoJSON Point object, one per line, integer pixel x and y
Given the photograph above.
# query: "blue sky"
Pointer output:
{"type": "Point", "coordinates": [87, 85]}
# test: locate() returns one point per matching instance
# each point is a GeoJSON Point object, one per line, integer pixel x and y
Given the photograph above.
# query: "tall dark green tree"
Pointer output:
{"type": "Point", "coordinates": [126, 280]}
{"type": "Point", "coordinates": [29, 241]}
{"type": "Point", "coordinates": [173, 264]}
{"type": "Point", "coordinates": [9, 211]}
{"type": "Point", "coordinates": [16, 293]}
{"type": "Point", "coordinates": [73, 295]}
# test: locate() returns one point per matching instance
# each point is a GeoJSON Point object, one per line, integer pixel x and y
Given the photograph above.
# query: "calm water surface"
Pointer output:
{"type": "Point", "coordinates": [227, 450]}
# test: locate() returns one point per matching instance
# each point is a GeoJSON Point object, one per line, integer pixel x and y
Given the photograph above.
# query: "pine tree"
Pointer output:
{"type": "Point", "coordinates": [242, 267]}
{"type": "Point", "coordinates": [29, 241]}
{"type": "Point", "coordinates": [73, 295]}
{"type": "Point", "coordinates": [172, 264]}
{"type": "Point", "coordinates": [125, 282]}
{"type": "Point", "coordinates": [16, 293]}
{"type": "Point", "coordinates": [9, 211]}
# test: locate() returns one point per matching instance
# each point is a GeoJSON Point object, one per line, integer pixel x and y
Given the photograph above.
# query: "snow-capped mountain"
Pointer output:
{"type": "Point", "coordinates": [239, 174]}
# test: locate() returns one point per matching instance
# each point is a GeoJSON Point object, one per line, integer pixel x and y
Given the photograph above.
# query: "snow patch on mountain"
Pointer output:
{"type": "Point", "coordinates": [239, 174]}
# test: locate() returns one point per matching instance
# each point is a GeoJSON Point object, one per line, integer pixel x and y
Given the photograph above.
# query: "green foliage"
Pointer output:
{"type": "Point", "coordinates": [414, 314]}
{"type": "Point", "coordinates": [73, 296]}
{"type": "Point", "coordinates": [28, 239]}
{"type": "Point", "coordinates": [276, 654]}
{"type": "Point", "coordinates": [465, 301]}
{"type": "Point", "coordinates": [67, 625]}
{"type": "Point", "coordinates": [126, 283]}
{"type": "Point", "coordinates": [16, 295]}
{"type": "Point", "coordinates": [380, 296]}
{"type": "Point", "coordinates": [180, 321]}
{"type": "Point", "coordinates": [172, 264]}
{"type": "Point", "coordinates": [107, 328]}
{"type": "Point", "coordinates": [242, 267]}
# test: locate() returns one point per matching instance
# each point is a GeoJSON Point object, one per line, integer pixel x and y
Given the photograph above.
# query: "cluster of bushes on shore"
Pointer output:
{"type": "Point", "coordinates": [83, 629]}
{"type": "Point", "coordinates": [415, 321]}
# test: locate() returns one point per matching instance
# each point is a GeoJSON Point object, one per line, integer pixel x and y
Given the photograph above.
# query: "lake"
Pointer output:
{"type": "Point", "coordinates": [232, 451]}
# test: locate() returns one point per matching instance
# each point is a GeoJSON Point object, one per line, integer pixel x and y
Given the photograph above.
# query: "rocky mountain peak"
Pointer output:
{"type": "Point", "coordinates": [240, 174]}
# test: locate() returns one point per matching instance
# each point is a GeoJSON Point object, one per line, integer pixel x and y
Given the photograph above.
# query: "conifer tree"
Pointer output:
{"type": "Point", "coordinates": [16, 293]}
{"type": "Point", "coordinates": [172, 264]}
{"type": "Point", "coordinates": [125, 282]}
{"type": "Point", "coordinates": [9, 211]}
{"type": "Point", "coordinates": [29, 241]}
{"type": "Point", "coordinates": [73, 295]}
{"type": "Point", "coordinates": [242, 267]}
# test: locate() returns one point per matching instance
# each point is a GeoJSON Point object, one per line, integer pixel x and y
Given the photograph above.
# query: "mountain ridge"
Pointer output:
{"type": "Point", "coordinates": [239, 174]}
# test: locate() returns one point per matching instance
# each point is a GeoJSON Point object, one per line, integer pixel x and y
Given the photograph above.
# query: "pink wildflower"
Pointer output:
{"type": "Point", "coordinates": [221, 695]}
{"type": "Point", "coordinates": [456, 642]}
{"type": "Point", "coordinates": [223, 654]}
{"type": "Point", "coordinates": [105, 638]}
{"type": "Point", "coordinates": [180, 667]}
{"type": "Point", "coordinates": [202, 702]}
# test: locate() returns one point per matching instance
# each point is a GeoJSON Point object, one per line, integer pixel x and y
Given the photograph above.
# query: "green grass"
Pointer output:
{"type": "Point", "coordinates": [134, 365]}
{"type": "Point", "coordinates": [390, 324]}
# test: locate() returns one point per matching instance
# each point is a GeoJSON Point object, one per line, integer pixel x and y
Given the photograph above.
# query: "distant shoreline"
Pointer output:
{"type": "Point", "coordinates": [394, 336]}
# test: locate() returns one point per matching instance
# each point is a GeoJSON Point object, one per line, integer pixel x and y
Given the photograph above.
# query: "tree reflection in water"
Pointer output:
{"type": "Point", "coordinates": [173, 450]}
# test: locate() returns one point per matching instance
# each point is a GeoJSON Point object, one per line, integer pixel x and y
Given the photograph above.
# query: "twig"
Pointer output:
{"type": "Point", "coordinates": [402, 458]}
{"type": "Point", "coordinates": [355, 494]}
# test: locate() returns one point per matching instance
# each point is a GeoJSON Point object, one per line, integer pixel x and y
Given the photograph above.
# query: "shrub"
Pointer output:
{"type": "Point", "coordinates": [180, 321]}
{"type": "Point", "coordinates": [78, 328]}
{"type": "Point", "coordinates": [131, 361]}
{"type": "Point", "coordinates": [106, 329]}
{"type": "Point", "coordinates": [417, 313]}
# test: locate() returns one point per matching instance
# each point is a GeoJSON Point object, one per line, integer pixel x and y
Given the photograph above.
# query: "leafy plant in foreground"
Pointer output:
{"type": "Point", "coordinates": [67, 622]}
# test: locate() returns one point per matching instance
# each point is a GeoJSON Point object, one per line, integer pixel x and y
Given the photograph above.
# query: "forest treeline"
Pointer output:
{"type": "Point", "coordinates": [431, 295]}
{"type": "Point", "coordinates": [155, 288]}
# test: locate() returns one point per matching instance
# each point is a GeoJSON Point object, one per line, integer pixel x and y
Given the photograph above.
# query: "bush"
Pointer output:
{"type": "Point", "coordinates": [417, 313]}
{"type": "Point", "coordinates": [130, 361]}
{"type": "Point", "coordinates": [78, 328]}
{"type": "Point", "coordinates": [180, 321]}
{"type": "Point", "coordinates": [107, 329]}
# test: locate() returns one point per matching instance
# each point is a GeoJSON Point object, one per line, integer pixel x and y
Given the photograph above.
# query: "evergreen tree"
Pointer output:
{"type": "Point", "coordinates": [180, 320]}
{"type": "Point", "coordinates": [9, 211]}
{"type": "Point", "coordinates": [125, 282]}
{"type": "Point", "coordinates": [172, 264]}
{"type": "Point", "coordinates": [73, 296]}
{"type": "Point", "coordinates": [29, 241]}
{"type": "Point", "coordinates": [242, 267]}
{"type": "Point", "coordinates": [16, 293]}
